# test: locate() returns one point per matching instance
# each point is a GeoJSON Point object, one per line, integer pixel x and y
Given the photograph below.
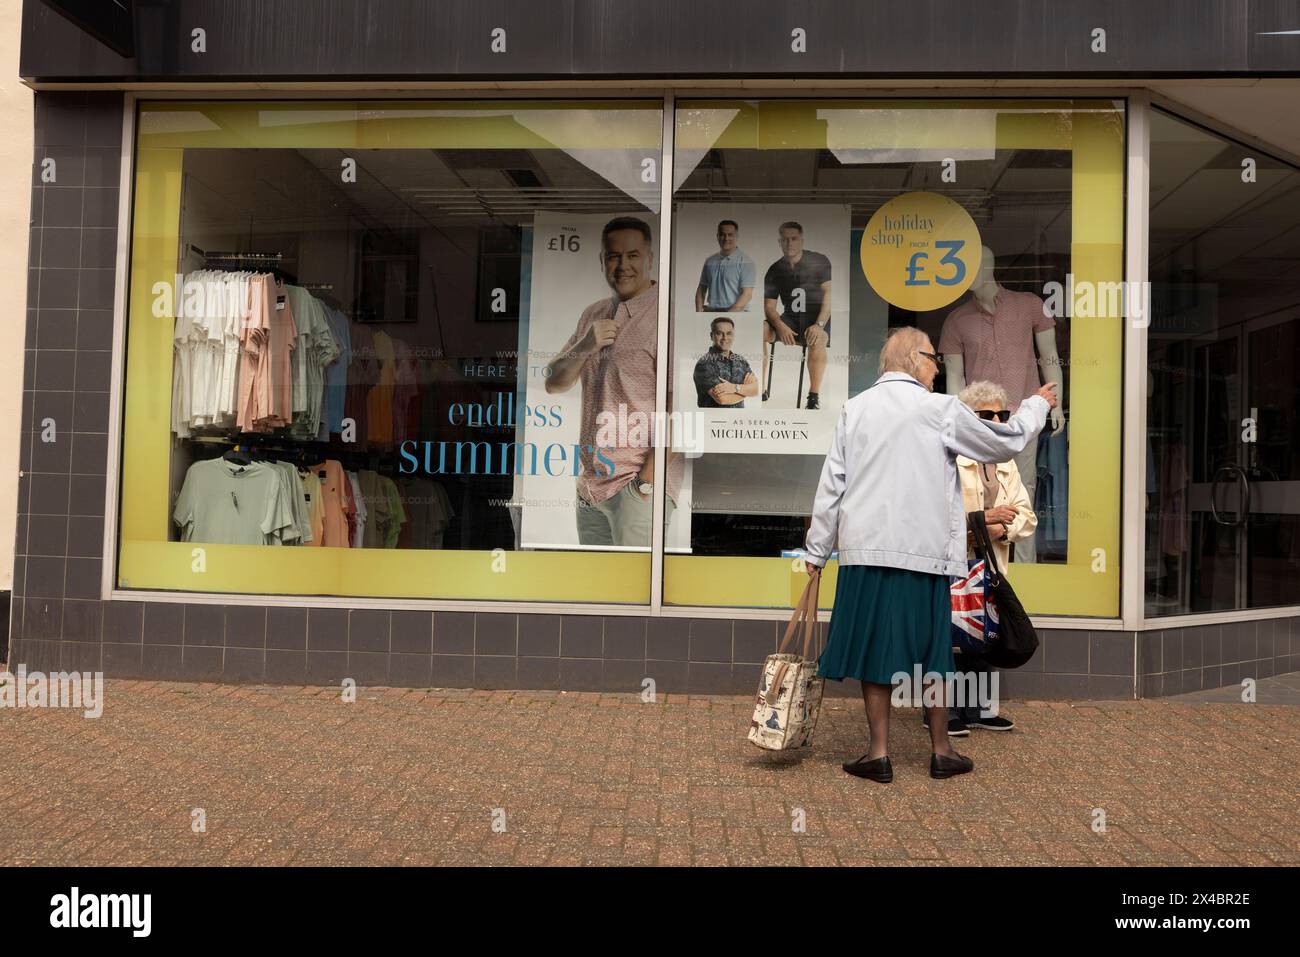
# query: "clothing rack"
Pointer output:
{"type": "Point", "coordinates": [271, 262]}
{"type": "Point", "coordinates": [304, 452]}
{"type": "Point", "coordinates": [323, 291]}
{"type": "Point", "coordinates": [237, 256]}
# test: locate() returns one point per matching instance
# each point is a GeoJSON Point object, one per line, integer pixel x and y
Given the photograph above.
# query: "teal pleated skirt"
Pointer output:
{"type": "Point", "coordinates": [887, 620]}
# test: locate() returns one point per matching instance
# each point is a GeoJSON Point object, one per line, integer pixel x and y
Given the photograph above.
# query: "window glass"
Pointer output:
{"type": "Point", "coordinates": [803, 231]}
{"type": "Point", "coordinates": [1223, 477]}
{"type": "Point", "coordinates": [369, 344]}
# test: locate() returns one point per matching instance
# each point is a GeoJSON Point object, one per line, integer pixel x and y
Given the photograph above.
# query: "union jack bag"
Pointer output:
{"type": "Point", "coordinates": [987, 617]}
{"type": "Point", "coordinates": [974, 615]}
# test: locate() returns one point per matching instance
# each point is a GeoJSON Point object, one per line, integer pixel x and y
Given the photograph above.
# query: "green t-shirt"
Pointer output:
{"type": "Point", "coordinates": [300, 532]}
{"type": "Point", "coordinates": [377, 503]}
{"type": "Point", "coordinates": [396, 514]}
{"type": "Point", "coordinates": [225, 503]}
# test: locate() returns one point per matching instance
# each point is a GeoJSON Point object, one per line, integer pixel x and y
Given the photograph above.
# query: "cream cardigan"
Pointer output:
{"type": "Point", "coordinates": [1011, 492]}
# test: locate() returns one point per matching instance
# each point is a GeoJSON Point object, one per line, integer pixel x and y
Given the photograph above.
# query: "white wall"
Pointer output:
{"type": "Point", "coordinates": [15, 205]}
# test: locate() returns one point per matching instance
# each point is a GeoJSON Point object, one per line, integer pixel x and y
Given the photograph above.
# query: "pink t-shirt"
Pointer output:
{"type": "Point", "coordinates": [283, 340]}
{"type": "Point", "coordinates": [620, 375]}
{"type": "Point", "coordinates": [999, 347]}
{"type": "Point", "coordinates": [254, 339]}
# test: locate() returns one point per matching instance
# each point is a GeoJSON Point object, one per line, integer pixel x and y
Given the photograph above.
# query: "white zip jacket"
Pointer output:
{"type": "Point", "coordinates": [889, 491]}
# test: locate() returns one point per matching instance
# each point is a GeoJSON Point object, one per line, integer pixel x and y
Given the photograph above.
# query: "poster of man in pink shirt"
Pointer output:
{"type": "Point", "coordinates": [592, 342]}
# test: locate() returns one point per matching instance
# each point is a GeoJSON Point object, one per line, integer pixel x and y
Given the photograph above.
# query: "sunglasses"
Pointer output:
{"type": "Point", "coordinates": [988, 415]}
{"type": "Point", "coordinates": [937, 360]}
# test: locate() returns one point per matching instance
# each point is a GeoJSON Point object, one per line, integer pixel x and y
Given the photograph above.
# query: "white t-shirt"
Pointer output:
{"type": "Point", "coordinates": [206, 348]}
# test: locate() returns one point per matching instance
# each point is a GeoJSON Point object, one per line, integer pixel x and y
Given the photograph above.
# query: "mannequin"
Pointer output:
{"type": "Point", "coordinates": [1015, 312]}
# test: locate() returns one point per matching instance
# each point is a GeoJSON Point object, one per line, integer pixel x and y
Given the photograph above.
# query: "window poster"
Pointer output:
{"type": "Point", "coordinates": [761, 325]}
{"type": "Point", "coordinates": [588, 425]}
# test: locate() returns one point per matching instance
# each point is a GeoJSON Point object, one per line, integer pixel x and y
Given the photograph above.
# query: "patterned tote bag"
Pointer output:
{"type": "Point", "coordinates": [789, 692]}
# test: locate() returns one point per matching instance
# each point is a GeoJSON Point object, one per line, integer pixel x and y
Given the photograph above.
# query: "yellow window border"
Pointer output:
{"type": "Point", "coordinates": [1088, 584]}
{"type": "Point", "coordinates": [146, 559]}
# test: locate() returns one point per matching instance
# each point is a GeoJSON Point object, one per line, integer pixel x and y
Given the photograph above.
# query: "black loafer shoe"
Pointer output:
{"type": "Point", "coordinates": [878, 770]}
{"type": "Point", "coordinates": [943, 766]}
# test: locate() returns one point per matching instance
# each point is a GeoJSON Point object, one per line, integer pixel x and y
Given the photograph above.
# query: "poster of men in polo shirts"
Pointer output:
{"type": "Point", "coordinates": [760, 324]}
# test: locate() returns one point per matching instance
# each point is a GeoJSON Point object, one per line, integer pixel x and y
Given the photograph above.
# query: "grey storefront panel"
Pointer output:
{"type": "Point", "coordinates": [454, 39]}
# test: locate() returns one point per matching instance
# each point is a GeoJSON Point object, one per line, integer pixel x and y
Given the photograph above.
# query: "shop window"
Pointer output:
{"type": "Point", "coordinates": [803, 231]}
{"type": "Point", "coordinates": [366, 341]}
{"type": "Point", "coordinates": [1223, 380]}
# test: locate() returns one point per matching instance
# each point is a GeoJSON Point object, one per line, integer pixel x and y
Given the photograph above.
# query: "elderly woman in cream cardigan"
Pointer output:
{"type": "Point", "coordinates": [997, 491]}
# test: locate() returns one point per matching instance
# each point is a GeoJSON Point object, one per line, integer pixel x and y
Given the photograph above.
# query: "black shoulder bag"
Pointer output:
{"type": "Point", "coordinates": [1017, 640]}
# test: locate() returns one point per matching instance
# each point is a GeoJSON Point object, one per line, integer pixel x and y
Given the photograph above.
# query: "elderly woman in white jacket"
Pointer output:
{"type": "Point", "coordinates": [889, 497]}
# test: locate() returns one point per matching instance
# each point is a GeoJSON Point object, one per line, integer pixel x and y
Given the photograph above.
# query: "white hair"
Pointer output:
{"type": "Point", "coordinates": [984, 393]}
{"type": "Point", "coordinates": [901, 352]}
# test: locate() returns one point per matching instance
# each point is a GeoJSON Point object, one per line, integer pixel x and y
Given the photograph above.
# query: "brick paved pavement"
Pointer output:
{"type": "Point", "coordinates": [1280, 689]}
{"type": "Point", "coordinates": [293, 775]}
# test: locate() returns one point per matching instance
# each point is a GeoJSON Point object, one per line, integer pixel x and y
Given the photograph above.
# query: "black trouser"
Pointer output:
{"type": "Point", "coordinates": [970, 711]}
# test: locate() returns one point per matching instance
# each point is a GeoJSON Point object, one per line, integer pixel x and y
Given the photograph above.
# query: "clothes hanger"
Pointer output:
{"type": "Point", "coordinates": [239, 455]}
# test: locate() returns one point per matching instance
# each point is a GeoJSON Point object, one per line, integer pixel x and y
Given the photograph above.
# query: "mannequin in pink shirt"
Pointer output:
{"type": "Point", "coordinates": [993, 337]}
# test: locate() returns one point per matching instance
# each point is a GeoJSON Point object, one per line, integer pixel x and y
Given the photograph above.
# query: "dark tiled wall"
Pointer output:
{"type": "Point", "coordinates": [67, 368]}
{"type": "Point", "coordinates": [416, 649]}
{"type": "Point", "coordinates": [1074, 665]}
{"type": "Point", "coordinates": [254, 643]}
{"type": "Point", "coordinates": [1211, 656]}
{"type": "Point", "coordinates": [58, 620]}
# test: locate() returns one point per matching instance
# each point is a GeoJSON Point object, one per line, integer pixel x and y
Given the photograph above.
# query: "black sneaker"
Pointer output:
{"type": "Point", "coordinates": [996, 723]}
{"type": "Point", "coordinates": [956, 727]}
{"type": "Point", "coordinates": [812, 401]}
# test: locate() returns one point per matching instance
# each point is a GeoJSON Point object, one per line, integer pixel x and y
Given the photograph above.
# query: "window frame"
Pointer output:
{"type": "Point", "coordinates": [1090, 578]}
{"type": "Point", "coordinates": [667, 93]}
{"type": "Point", "coordinates": [1143, 103]}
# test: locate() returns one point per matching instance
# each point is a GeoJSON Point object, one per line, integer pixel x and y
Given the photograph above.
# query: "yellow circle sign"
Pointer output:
{"type": "Point", "coordinates": [920, 251]}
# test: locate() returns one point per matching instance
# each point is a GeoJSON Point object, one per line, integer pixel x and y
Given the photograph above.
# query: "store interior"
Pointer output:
{"type": "Point", "coordinates": [408, 250]}
{"type": "Point", "coordinates": [1020, 201]}
{"type": "Point", "coordinates": [409, 253]}
{"type": "Point", "coordinates": [1223, 479]}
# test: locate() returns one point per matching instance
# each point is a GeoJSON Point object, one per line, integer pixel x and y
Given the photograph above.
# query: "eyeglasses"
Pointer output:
{"type": "Point", "coordinates": [937, 360]}
{"type": "Point", "coordinates": [988, 415]}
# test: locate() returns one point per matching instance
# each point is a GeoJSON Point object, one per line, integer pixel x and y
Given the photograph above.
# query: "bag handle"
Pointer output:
{"type": "Point", "coordinates": [777, 680]}
{"type": "Point", "coordinates": [803, 620]}
{"type": "Point", "coordinates": [984, 547]}
{"type": "Point", "coordinates": [812, 628]}
{"type": "Point", "coordinates": [796, 622]}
